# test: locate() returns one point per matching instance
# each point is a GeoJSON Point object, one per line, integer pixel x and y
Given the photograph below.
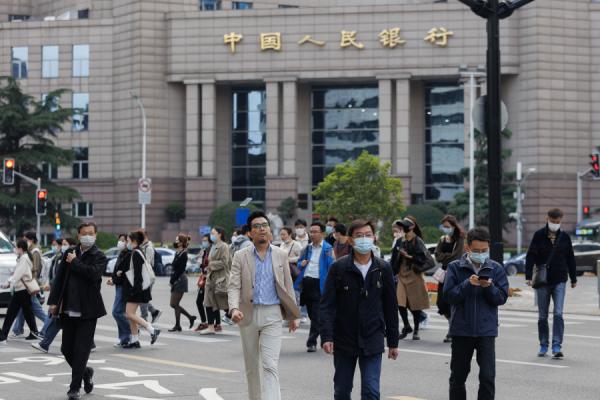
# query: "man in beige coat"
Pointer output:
{"type": "Point", "coordinates": [261, 295]}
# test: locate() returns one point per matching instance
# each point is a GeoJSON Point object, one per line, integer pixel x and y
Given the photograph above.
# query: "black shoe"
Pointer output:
{"type": "Point", "coordinates": [558, 355]}
{"type": "Point", "coordinates": [448, 339]}
{"type": "Point", "coordinates": [88, 383]}
{"type": "Point", "coordinates": [175, 329]}
{"type": "Point", "coordinates": [34, 336]}
{"type": "Point", "coordinates": [154, 336]}
{"type": "Point", "coordinates": [192, 320]}
{"type": "Point", "coordinates": [73, 395]}
{"type": "Point", "coordinates": [416, 336]}
{"type": "Point", "coordinates": [405, 332]}
{"type": "Point", "coordinates": [156, 315]}
{"type": "Point", "coordinates": [311, 349]}
{"type": "Point", "coordinates": [133, 345]}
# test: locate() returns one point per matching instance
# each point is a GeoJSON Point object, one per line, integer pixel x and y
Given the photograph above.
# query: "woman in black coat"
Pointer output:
{"type": "Point", "coordinates": [137, 294]}
{"type": "Point", "coordinates": [179, 281]}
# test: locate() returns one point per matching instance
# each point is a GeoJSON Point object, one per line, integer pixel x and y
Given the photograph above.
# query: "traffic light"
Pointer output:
{"type": "Point", "coordinates": [586, 211]}
{"type": "Point", "coordinates": [41, 197]}
{"type": "Point", "coordinates": [8, 171]}
{"type": "Point", "coordinates": [595, 164]}
{"type": "Point", "coordinates": [57, 221]}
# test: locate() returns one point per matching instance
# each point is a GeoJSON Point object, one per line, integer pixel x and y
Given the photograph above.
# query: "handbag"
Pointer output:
{"type": "Point", "coordinates": [294, 270]}
{"type": "Point", "coordinates": [31, 286]}
{"type": "Point", "coordinates": [201, 281]}
{"type": "Point", "coordinates": [439, 275]}
{"type": "Point", "coordinates": [540, 272]}
{"type": "Point", "coordinates": [148, 276]}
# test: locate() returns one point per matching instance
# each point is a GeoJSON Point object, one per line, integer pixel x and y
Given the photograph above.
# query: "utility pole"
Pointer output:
{"type": "Point", "coordinates": [493, 11]}
{"type": "Point", "coordinates": [144, 140]}
{"type": "Point", "coordinates": [520, 182]}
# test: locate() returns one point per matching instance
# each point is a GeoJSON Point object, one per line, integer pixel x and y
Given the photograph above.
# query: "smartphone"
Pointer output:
{"type": "Point", "coordinates": [484, 278]}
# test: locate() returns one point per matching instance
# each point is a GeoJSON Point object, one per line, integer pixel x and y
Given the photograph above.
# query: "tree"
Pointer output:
{"type": "Point", "coordinates": [361, 188]}
{"type": "Point", "coordinates": [224, 216]}
{"type": "Point", "coordinates": [27, 132]}
{"type": "Point", "coordinates": [460, 207]}
{"type": "Point", "coordinates": [287, 209]}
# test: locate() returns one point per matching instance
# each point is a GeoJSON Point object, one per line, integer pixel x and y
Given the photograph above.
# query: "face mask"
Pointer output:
{"type": "Point", "coordinates": [205, 245]}
{"type": "Point", "coordinates": [363, 245]}
{"type": "Point", "coordinates": [54, 250]}
{"type": "Point", "coordinates": [447, 231]}
{"type": "Point", "coordinates": [129, 246]}
{"type": "Point", "coordinates": [87, 240]}
{"type": "Point", "coordinates": [553, 227]}
{"type": "Point", "coordinates": [233, 238]}
{"type": "Point", "coordinates": [300, 232]}
{"type": "Point", "coordinates": [213, 238]}
{"type": "Point", "coordinates": [121, 245]}
{"type": "Point", "coordinates": [329, 229]}
{"type": "Point", "coordinates": [479, 258]}
{"type": "Point", "coordinates": [64, 248]}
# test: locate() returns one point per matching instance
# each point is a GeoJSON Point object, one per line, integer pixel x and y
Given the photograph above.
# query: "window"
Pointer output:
{"type": "Point", "coordinates": [345, 122]}
{"type": "Point", "coordinates": [80, 112]}
{"type": "Point", "coordinates": [49, 171]}
{"type": "Point", "coordinates": [80, 165]}
{"type": "Point", "coordinates": [444, 142]}
{"type": "Point", "coordinates": [83, 14]}
{"type": "Point", "coordinates": [19, 59]}
{"type": "Point", "coordinates": [241, 5]}
{"type": "Point", "coordinates": [50, 62]}
{"type": "Point", "coordinates": [82, 209]}
{"type": "Point", "coordinates": [54, 105]}
{"type": "Point", "coordinates": [286, 6]}
{"type": "Point", "coordinates": [210, 5]}
{"type": "Point", "coordinates": [249, 145]}
{"type": "Point", "coordinates": [12, 18]}
{"type": "Point", "coordinates": [81, 60]}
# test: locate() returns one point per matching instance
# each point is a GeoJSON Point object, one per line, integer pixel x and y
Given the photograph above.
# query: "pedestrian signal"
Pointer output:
{"type": "Point", "coordinates": [41, 196]}
{"type": "Point", "coordinates": [8, 171]}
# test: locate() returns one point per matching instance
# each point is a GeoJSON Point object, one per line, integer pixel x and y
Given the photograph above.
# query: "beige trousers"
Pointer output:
{"type": "Point", "coordinates": [261, 342]}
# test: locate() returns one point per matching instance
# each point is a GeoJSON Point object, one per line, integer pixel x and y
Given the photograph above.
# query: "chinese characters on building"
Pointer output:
{"type": "Point", "coordinates": [389, 38]}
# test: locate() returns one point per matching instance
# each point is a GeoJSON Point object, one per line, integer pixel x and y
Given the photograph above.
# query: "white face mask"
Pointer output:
{"type": "Point", "coordinates": [300, 232]}
{"type": "Point", "coordinates": [121, 245]}
{"type": "Point", "coordinates": [87, 240]}
{"type": "Point", "coordinates": [64, 248]}
{"type": "Point", "coordinates": [553, 227]}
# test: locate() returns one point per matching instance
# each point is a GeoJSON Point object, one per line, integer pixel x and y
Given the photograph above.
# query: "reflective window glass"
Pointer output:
{"type": "Point", "coordinates": [19, 62]}
{"type": "Point", "coordinates": [50, 62]}
{"type": "Point", "coordinates": [81, 60]}
{"type": "Point", "coordinates": [81, 112]}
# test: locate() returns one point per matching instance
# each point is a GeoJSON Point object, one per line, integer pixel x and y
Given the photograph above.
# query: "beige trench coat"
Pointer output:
{"type": "Point", "coordinates": [217, 278]}
{"type": "Point", "coordinates": [411, 291]}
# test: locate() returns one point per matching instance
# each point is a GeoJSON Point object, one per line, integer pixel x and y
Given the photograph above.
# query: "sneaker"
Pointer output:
{"type": "Point", "coordinates": [38, 346]}
{"type": "Point", "coordinates": [34, 336]}
{"type": "Point", "coordinates": [423, 320]}
{"type": "Point", "coordinates": [218, 328]}
{"type": "Point", "coordinates": [93, 349]}
{"type": "Point", "coordinates": [416, 336]}
{"type": "Point", "coordinates": [556, 353]}
{"type": "Point", "coordinates": [134, 345]}
{"type": "Point", "coordinates": [311, 349]}
{"type": "Point", "coordinates": [303, 320]}
{"type": "Point", "coordinates": [88, 383]}
{"type": "Point", "coordinates": [208, 331]}
{"type": "Point", "coordinates": [201, 326]}
{"type": "Point", "coordinates": [543, 351]}
{"type": "Point", "coordinates": [154, 336]}
{"type": "Point", "coordinates": [16, 336]}
{"type": "Point", "coordinates": [3, 342]}
{"type": "Point", "coordinates": [73, 395]}
{"type": "Point", "coordinates": [226, 320]}
{"type": "Point", "coordinates": [156, 315]}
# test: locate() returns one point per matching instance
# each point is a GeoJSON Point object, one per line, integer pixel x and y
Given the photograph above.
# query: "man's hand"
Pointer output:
{"type": "Point", "coordinates": [294, 325]}
{"type": "Point", "coordinates": [237, 315]}
{"type": "Point", "coordinates": [528, 282]}
{"type": "Point", "coordinates": [46, 288]}
{"type": "Point", "coordinates": [5, 285]}
{"type": "Point", "coordinates": [393, 353]}
{"type": "Point", "coordinates": [328, 347]}
{"type": "Point", "coordinates": [304, 263]}
{"type": "Point", "coordinates": [53, 310]}
{"type": "Point", "coordinates": [573, 285]}
{"type": "Point", "coordinates": [119, 273]}
{"type": "Point", "coordinates": [109, 282]}
{"type": "Point", "coordinates": [474, 280]}
{"type": "Point", "coordinates": [71, 256]}
{"type": "Point", "coordinates": [485, 284]}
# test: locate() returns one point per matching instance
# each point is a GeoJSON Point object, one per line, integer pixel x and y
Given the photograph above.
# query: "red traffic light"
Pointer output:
{"type": "Point", "coordinates": [586, 209]}
{"type": "Point", "coordinates": [42, 194]}
{"type": "Point", "coordinates": [9, 163]}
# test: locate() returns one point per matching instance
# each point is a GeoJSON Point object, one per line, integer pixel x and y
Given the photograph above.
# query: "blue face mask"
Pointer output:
{"type": "Point", "coordinates": [205, 245]}
{"type": "Point", "coordinates": [129, 246]}
{"type": "Point", "coordinates": [447, 231]}
{"type": "Point", "coordinates": [479, 258]}
{"type": "Point", "coordinates": [363, 245]}
{"type": "Point", "coordinates": [213, 238]}
{"type": "Point", "coordinates": [329, 229]}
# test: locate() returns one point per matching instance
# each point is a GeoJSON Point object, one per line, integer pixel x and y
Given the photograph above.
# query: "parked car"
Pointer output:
{"type": "Point", "coordinates": [587, 255]}
{"type": "Point", "coordinates": [515, 265]}
{"type": "Point", "coordinates": [8, 262]}
{"type": "Point", "coordinates": [431, 248]}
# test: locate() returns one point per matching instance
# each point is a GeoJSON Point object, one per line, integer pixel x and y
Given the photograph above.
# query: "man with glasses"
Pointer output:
{"type": "Point", "coordinates": [358, 310]}
{"type": "Point", "coordinates": [314, 264]}
{"type": "Point", "coordinates": [260, 296]}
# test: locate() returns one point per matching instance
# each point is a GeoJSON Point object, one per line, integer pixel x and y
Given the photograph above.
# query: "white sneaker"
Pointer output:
{"type": "Point", "coordinates": [16, 336]}
{"type": "Point", "coordinates": [3, 342]}
{"type": "Point", "coordinates": [226, 320]}
{"type": "Point", "coordinates": [37, 346]}
{"type": "Point", "coordinates": [425, 323]}
{"type": "Point", "coordinates": [208, 331]}
{"type": "Point", "coordinates": [304, 320]}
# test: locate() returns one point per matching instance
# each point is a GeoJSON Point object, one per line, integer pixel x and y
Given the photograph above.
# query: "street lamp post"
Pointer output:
{"type": "Point", "coordinates": [144, 136]}
{"type": "Point", "coordinates": [520, 181]}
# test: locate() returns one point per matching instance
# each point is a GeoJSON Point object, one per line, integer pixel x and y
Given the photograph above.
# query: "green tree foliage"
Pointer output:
{"type": "Point", "coordinates": [426, 215]}
{"type": "Point", "coordinates": [224, 216]}
{"type": "Point", "coordinates": [287, 209]}
{"type": "Point", "coordinates": [460, 207]}
{"type": "Point", "coordinates": [27, 132]}
{"type": "Point", "coordinates": [361, 188]}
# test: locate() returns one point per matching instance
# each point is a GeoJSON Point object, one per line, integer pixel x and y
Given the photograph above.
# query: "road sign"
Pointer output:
{"type": "Point", "coordinates": [145, 190]}
{"type": "Point", "coordinates": [241, 216]}
{"type": "Point", "coordinates": [479, 114]}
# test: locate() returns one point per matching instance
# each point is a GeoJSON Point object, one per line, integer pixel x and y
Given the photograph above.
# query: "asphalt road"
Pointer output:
{"type": "Point", "coordinates": [187, 366]}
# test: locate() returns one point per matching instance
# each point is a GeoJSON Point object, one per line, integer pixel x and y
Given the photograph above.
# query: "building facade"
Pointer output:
{"type": "Point", "coordinates": [262, 99]}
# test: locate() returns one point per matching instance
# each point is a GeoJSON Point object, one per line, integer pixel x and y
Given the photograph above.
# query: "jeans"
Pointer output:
{"type": "Point", "coordinates": [52, 328]}
{"type": "Point", "coordinates": [460, 365]}
{"type": "Point", "coordinates": [370, 372]}
{"type": "Point", "coordinates": [118, 313]}
{"type": "Point", "coordinates": [557, 294]}
{"type": "Point", "coordinates": [38, 311]}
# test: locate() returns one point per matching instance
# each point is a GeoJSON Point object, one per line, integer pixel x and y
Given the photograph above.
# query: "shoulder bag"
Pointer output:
{"type": "Point", "coordinates": [148, 276]}
{"type": "Point", "coordinates": [540, 272]}
{"type": "Point", "coordinates": [31, 286]}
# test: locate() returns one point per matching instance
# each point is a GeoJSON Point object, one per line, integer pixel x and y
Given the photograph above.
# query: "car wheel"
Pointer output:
{"type": "Point", "coordinates": [168, 270]}
{"type": "Point", "coordinates": [511, 270]}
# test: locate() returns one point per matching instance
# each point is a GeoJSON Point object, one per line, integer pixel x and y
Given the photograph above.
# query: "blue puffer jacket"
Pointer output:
{"type": "Point", "coordinates": [474, 308]}
{"type": "Point", "coordinates": [325, 261]}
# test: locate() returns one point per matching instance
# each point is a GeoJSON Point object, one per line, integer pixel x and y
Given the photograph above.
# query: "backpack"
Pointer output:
{"type": "Point", "coordinates": [148, 276]}
{"type": "Point", "coordinates": [45, 267]}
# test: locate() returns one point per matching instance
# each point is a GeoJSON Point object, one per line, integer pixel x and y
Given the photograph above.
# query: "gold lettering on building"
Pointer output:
{"type": "Point", "coordinates": [438, 36]}
{"type": "Point", "coordinates": [391, 38]}
{"type": "Point", "coordinates": [309, 39]}
{"type": "Point", "coordinates": [232, 39]}
{"type": "Point", "coordinates": [349, 39]}
{"type": "Point", "coordinates": [270, 41]}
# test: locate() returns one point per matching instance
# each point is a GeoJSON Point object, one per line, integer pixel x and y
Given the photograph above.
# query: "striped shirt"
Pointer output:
{"type": "Point", "coordinates": [265, 292]}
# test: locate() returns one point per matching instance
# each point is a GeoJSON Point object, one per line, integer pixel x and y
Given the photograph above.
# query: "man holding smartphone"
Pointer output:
{"type": "Point", "coordinates": [475, 286]}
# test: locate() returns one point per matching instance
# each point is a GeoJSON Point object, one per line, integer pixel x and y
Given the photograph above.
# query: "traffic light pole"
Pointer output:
{"type": "Point", "coordinates": [580, 176]}
{"type": "Point", "coordinates": [38, 184]}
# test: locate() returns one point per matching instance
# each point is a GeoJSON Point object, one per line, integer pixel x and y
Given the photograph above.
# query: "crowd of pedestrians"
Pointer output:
{"type": "Point", "coordinates": [331, 273]}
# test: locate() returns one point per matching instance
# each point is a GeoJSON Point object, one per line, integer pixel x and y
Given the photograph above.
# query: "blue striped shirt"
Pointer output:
{"type": "Point", "coordinates": [265, 292]}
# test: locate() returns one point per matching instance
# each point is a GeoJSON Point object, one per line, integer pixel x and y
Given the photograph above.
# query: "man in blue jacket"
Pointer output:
{"type": "Point", "coordinates": [314, 263]}
{"type": "Point", "coordinates": [475, 286]}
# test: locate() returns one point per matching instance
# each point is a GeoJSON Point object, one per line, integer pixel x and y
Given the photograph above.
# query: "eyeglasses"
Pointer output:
{"type": "Point", "coordinates": [360, 236]}
{"type": "Point", "coordinates": [264, 225]}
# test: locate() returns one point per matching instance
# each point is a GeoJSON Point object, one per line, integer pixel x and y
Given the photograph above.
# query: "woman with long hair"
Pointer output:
{"type": "Point", "coordinates": [179, 281]}
{"type": "Point", "coordinates": [206, 245]}
{"type": "Point", "coordinates": [450, 247]}
{"type": "Point", "coordinates": [413, 260]}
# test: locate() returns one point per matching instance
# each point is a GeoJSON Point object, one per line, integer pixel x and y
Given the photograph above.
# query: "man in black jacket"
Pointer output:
{"type": "Point", "coordinates": [76, 299]}
{"type": "Point", "coordinates": [359, 304]}
{"type": "Point", "coordinates": [561, 266]}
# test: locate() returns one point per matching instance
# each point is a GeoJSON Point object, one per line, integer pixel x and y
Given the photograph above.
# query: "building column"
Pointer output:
{"type": "Point", "coordinates": [192, 133]}
{"type": "Point", "coordinates": [385, 122]}
{"type": "Point", "coordinates": [273, 142]}
{"type": "Point", "coordinates": [402, 135]}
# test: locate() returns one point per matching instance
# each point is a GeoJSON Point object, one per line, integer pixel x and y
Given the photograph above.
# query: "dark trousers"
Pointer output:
{"type": "Point", "coordinates": [213, 316]}
{"type": "Point", "coordinates": [20, 300]}
{"type": "Point", "coordinates": [200, 304]}
{"type": "Point", "coordinates": [370, 372]}
{"type": "Point", "coordinates": [460, 366]}
{"type": "Point", "coordinates": [77, 340]}
{"type": "Point", "coordinates": [311, 297]}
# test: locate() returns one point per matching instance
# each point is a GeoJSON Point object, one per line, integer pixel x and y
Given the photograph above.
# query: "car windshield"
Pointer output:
{"type": "Point", "coordinates": [5, 246]}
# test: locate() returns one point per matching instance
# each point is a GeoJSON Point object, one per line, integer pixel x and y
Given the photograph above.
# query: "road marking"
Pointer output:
{"type": "Point", "coordinates": [31, 378]}
{"type": "Point", "coordinates": [148, 384]}
{"type": "Point", "coordinates": [210, 394]}
{"type": "Point", "coordinates": [132, 374]}
{"type": "Point", "coordinates": [176, 364]}
{"type": "Point", "coordinates": [534, 315]}
{"type": "Point", "coordinates": [60, 374]}
{"type": "Point", "coordinates": [582, 336]}
{"type": "Point", "coordinates": [195, 339]}
{"type": "Point", "coordinates": [405, 398]}
{"type": "Point", "coordinates": [431, 353]}
{"type": "Point", "coordinates": [122, 396]}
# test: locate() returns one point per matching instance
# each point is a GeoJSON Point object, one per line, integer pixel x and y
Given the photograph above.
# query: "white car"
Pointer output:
{"type": "Point", "coordinates": [8, 262]}
{"type": "Point", "coordinates": [167, 255]}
